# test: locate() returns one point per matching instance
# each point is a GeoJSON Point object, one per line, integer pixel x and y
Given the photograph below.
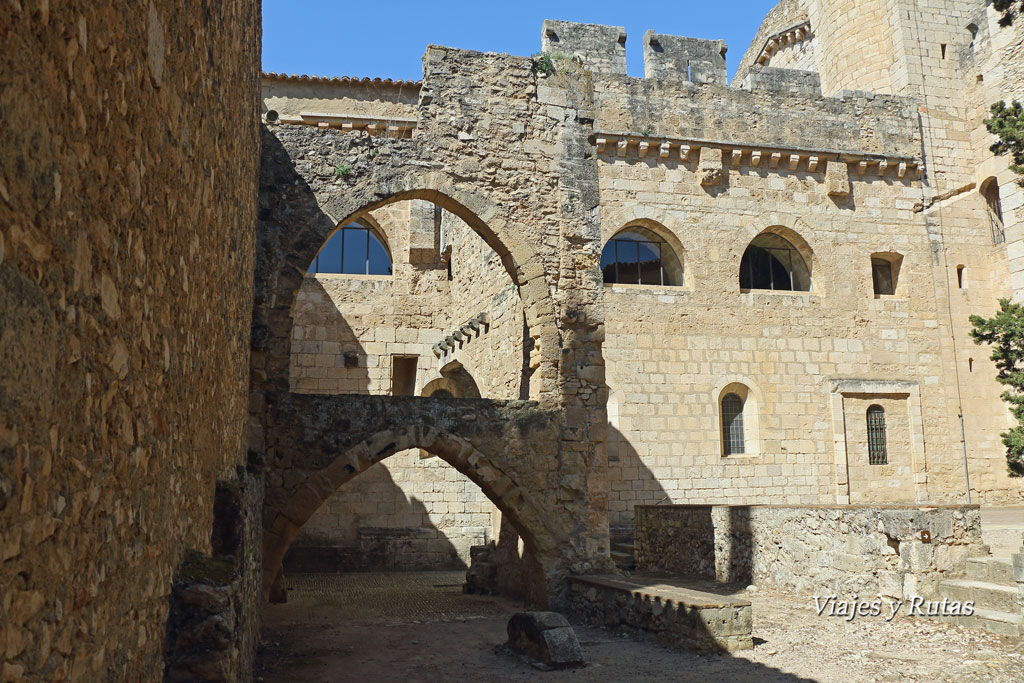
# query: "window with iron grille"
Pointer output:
{"type": "Point", "coordinates": [877, 452]}
{"type": "Point", "coordinates": [733, 442]}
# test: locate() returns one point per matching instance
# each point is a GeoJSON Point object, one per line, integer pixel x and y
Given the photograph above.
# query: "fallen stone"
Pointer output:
{"type": "Point", "coordinates": [545, 637]}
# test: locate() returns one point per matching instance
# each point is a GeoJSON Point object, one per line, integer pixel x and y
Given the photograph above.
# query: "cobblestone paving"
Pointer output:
{"type": "Point", "coordinates": [413, 627]}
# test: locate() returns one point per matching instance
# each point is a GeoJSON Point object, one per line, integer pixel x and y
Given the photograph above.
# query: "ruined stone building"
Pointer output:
{"type": "Point", "coordinates": [862, 179]}
{"type": "Point", "coordinates": [544, 291]}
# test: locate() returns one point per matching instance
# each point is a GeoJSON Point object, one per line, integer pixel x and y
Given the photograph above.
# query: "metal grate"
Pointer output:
{"type": "Point", "coordinates": [732, 425]}
{"type": "Point", "coordinates": [877, 452]}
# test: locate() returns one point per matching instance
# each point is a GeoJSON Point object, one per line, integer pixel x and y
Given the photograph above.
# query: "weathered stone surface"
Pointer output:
{"type": "Point", "coordinates": [546, 637]}
{"type": "Point", "coordinates": [808, 549]}
{"type": "Point", "coordinates": [677, 615]}
{"type": "Point", "coordinates": [129, 153]}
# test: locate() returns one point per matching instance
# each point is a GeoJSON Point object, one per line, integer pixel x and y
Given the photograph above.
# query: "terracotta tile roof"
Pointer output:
{"type": "Point", "coordinates": [340, 80]}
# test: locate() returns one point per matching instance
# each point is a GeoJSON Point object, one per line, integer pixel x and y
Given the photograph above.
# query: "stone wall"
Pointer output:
{"type": "Point", "coordinates": [811, 550]}
{"type": "Point", "coordinates": [128, 166]}
{"type": "Point", "coordinates": [409, 512]}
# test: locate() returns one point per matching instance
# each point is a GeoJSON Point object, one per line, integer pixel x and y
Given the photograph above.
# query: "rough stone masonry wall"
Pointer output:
{"type": "Point", "coordinates": [843, 550]}
{"type": "Point", "coordinates": [465, 160]}
{"type": "Point", "coordinates": [128, 166]}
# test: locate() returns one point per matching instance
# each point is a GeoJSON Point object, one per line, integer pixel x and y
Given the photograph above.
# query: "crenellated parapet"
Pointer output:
{"type": "Point", "coordinates": [602, 49]}
{"type": "Point", "coordinates": [688, 59]}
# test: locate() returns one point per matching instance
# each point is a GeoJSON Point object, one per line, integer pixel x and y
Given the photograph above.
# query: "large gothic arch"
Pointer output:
{"type": "Point", "coordinates": [302, 205]}
{"type": "Point", "coordinates": [541, 461]}
{"type": "Point", "coordinates": [321, 442]}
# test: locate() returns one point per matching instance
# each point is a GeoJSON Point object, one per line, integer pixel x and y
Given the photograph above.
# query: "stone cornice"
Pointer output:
{"type": "Point", "coordinates": [790, 36]}
{"type": "Point", "coordinates": [619, 144]}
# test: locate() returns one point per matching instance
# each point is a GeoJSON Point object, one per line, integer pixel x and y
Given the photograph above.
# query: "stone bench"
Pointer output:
{"type": "Point", "coordinates": [680, 616]}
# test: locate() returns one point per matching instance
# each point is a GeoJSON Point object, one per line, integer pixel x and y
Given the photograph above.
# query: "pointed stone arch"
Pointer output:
{"type": "Point", "coordinates": [541, 537]}
{"type": "Point", "coordinates": [302, 204]}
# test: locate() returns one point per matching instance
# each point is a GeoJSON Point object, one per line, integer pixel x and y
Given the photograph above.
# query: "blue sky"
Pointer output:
{"type": "Point", "coordinates": [387, 39]}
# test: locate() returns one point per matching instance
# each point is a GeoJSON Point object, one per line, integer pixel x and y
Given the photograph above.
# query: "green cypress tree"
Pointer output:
{"type": "Point", "coordinates": [1005, 333]}
{"type": "Point", "coordinates": [1007, 124]}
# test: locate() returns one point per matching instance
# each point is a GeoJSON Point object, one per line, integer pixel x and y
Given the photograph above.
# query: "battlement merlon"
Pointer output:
{"type": "Point", "coordinates": [602, 48]}
{"type": "Point", "coordinates": [688, 59]}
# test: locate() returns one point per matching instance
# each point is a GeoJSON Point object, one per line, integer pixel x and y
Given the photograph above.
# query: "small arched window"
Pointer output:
{"type": "Point", "coordinates": [355, 249]}
{"type": "Point", "coordinates": [772, 262]}
{"type": "Point", "coordinates": [990, 191]}
{"type": "Point", "coordinates": [877, 451]}
{"type": "Point", "coordinates": [733, 439]}
{"type": "Point", "coordinates": [638, 256]}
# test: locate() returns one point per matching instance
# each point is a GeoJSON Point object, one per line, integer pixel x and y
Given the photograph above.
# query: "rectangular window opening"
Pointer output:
{"type": "Point", "coordinates": [881, 276]}
{"type": "Point", "coordinates": [403, 375]}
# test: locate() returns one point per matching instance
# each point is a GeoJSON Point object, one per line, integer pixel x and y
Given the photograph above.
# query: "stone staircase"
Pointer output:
{"type": "Point", "coordinates": [989, 584]}
{"type": "Point", "coordinates": [622, 551]}
{"type": "Point", "coordinates": [988, 580]}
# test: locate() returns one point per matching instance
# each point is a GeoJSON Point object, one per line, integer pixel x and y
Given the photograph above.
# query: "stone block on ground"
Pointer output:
{"type": "Point", "coordinates": [546, 637]}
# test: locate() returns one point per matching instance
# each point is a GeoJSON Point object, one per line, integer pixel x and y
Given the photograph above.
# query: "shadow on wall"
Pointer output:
{"type": "Point", "coordinates": [327, 356]}
{"type": "Point", "coordinates": [630, 483]}
{"type": "Point", "coordinates": [335, 540]}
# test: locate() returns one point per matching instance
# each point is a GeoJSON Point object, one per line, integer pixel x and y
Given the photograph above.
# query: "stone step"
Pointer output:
{"type": "Point", "coordinates": [985, 595]}
{"type": "Point", "coordinates": [624, 548]}
{"type": "Point", "coordinates": [623, 560]}
{"type": "Point", "coordinates": [993, 621]}
{"type": "Point", "coordinates": [995, 570]}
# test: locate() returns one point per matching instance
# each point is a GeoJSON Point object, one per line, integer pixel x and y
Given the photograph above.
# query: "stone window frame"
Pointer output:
{"type": "Point", "coordinates": [669, 241]}
{"type": "Point", "coordinates": [839, 389]}
{"type": "Point", "coordinates": [361, 222]}
{"type": "Point", "coordinates": [753, 407]}
{"type": "Point", "coordinates": [895, 261]}
{"type": "Point", "coordinates": [989, 191]}
{"type": "Point", "coordinates": [799, 245]}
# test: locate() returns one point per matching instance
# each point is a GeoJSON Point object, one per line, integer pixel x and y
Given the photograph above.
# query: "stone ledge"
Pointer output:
{"type": "Point", "coordinates": [678, 614]}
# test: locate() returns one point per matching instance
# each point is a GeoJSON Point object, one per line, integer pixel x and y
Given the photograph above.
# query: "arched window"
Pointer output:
{"type": "Point", "coordinates": [877, 452]}
{"type": "Point", "coordinates": [990, 191]}
{"type": "Point", "coordinates": [638, 256]}
{"type": "Point", "coordinates": [356, 249]}
{"type": "Point", "coordinates": [733, 440]}
{"type": "Point", "coordinates": [772, 262]}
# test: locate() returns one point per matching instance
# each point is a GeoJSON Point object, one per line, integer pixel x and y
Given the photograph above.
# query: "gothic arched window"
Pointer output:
{"type": "Point", "coordinates": [355, 249]}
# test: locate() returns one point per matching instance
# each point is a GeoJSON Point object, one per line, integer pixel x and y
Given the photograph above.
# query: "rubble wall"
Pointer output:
{"type": "Point", "coordinates": [128, 168]}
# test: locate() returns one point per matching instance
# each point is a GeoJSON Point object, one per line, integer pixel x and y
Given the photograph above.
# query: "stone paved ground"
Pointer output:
{"type": "Point", "coordinates": [414, 627]}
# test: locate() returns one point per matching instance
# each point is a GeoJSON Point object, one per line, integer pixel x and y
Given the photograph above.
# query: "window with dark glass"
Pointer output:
{"type": "Point", "coordinates": [881, 277]}
{"type": "Point", "coordinates": [354, 250]}
{"type": "Point", "coordinates": [733, 442]}
{"type": "Point", "coordinates": [638, 257]}
{"type": "Point", "coordinates": [877, 452]}
{"type": "Point", "coordinates": [772, 262]}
